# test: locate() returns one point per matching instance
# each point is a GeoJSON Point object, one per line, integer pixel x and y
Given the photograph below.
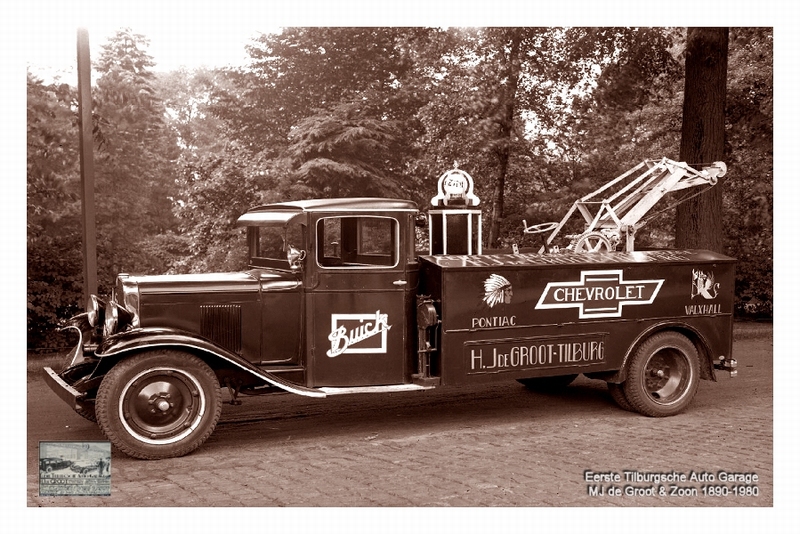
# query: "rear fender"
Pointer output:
{"type": "Point", "coordinates": [118, 346]}
{"type": "Point", "coordinates": [699, 341]}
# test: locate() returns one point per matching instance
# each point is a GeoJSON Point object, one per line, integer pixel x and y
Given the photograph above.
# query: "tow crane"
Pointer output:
{"type": "Point", "coordinates": [614, 212]}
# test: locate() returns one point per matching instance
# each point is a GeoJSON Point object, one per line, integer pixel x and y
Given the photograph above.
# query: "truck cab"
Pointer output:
{"type": "Point", "coordinates": [356, 275]}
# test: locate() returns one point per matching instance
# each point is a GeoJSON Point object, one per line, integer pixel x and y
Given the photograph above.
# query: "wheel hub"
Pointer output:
{"type": "Point", "coordinates": [163, 405]}
{"type": "Point", "coordinates": [160, 404]}
{"type": "Point", "coordinates": [666, 375]}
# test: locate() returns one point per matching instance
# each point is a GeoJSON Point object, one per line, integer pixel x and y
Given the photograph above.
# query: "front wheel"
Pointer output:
{"type": "Point", "coordinates": [663, 375]}
{"type": "Point", "coordinates": [158, 404]}
{"type": "Point", "coordinates": [87, 411]}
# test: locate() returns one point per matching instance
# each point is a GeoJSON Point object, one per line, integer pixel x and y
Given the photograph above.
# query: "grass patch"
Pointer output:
{"type": "Point", "coordinates": [39, 361]}
{"type": "Point", "coordinates": [752, 330]}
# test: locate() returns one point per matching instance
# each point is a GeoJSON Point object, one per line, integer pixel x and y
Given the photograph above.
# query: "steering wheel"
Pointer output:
{"type": "Point", "coordinates": [539, 228]}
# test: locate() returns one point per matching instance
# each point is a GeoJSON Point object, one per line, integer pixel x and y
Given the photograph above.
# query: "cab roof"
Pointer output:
{"type": "Point", "coordinates": [283, 212]}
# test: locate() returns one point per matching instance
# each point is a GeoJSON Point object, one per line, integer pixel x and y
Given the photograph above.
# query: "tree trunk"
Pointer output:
{"type": "Point", "coordinates": [505, 134]}
{"type": "Point", "coordinates": [698, 221]}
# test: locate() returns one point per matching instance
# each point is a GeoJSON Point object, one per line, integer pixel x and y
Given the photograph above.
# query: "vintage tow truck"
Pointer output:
{"type": "Point", "coordinates": [336, 300]}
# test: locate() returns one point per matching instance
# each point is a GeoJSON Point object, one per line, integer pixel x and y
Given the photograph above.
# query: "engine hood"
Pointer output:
{"type": "Point", "coordinates": [183, 284]}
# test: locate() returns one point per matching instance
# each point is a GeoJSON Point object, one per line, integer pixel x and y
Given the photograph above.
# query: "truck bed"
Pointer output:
{"type": "Point", "coordinates": [527, 315]}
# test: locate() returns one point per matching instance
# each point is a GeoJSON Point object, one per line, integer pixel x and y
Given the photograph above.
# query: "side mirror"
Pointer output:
{"type": "Point", "coordinates": [295, 257]}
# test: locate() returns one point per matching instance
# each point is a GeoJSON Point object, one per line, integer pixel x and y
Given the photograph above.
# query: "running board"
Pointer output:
{"type": "Point", "coordinates": [374, 389]}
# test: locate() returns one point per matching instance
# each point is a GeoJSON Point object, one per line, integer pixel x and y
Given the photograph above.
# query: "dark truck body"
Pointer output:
{"type": "Point", "coordinates": [571, 313]}
{"type": "Point", "coordinates": [352, 308]}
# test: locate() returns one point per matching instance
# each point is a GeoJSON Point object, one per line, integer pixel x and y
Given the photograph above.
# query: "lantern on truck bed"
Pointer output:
{"type": "Point", "coordinates": [454, 223]}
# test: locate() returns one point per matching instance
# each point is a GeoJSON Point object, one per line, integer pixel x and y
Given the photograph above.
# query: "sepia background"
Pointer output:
{"type": "Point", "coordinates": [188, 136]}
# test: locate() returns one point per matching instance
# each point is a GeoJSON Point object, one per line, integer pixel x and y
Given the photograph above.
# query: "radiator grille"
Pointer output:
{"type": "Point", "coordinates": [222, 323]}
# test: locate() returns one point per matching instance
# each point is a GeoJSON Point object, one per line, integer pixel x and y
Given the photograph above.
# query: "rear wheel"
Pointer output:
{"type": "Point", "coordinates": [663, 375]}
{"type": "Point", "coordinates": [617, 392]}
{"type": "Point", "coordinates": [159, 404]}
{"type": "Point", "coordinates": [547, 383]}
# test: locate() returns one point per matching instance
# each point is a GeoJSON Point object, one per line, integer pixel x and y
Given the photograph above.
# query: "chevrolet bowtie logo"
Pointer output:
{"type": "Point", "coordinates": [599, 294]}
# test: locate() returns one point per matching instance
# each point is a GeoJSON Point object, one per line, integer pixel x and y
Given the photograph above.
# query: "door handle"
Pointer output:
{"type": "Point", "coordinates": [399, 282]}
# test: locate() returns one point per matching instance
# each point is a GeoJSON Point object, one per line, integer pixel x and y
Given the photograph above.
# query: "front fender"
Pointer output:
{"type": "Point", "coordinates": [124, 343]}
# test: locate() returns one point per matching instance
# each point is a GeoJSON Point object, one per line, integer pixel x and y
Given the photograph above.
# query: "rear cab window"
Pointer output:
{"type": "Point", "coordinates": [357, 242]}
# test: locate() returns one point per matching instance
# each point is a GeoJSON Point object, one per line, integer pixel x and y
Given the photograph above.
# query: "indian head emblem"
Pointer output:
{"type": "Point", "coordinates": [498, 290]}
{"type": "Point", "coordinates": [703, 284]}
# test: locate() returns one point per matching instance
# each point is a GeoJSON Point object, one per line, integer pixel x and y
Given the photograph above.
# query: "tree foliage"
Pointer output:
{"type": "Point", "coordinates": [53, 235]}
{"type": "Point", "coordinates": [135, 174]}
{"type": "Point", "coordinates": [134, 159]}
{"type": "Point", "coordinates": [538, 116]}
{"type": "Point", "coordinates": [748, 192]}
{"type": "Point", "coordinates": [303, 71]}
{"type": "Point", "coordinates": [345, 152]}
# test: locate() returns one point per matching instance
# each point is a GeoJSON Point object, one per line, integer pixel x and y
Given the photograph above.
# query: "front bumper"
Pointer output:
{"type": "Point", "coordinates": [65, 392]}
{"type": "Point", "coordinates": [75, 384]}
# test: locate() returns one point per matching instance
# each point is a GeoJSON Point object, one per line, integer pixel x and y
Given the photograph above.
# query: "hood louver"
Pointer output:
{"type": "Point", "coordinates": [222, 324]}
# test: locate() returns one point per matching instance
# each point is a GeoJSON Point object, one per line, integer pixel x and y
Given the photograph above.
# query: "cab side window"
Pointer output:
{"type": "Point", "coordinates": [357, 241]}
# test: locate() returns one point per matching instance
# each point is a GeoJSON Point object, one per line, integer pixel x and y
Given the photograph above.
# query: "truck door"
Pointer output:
{"type": "Point", "coordinates": [357, 305]}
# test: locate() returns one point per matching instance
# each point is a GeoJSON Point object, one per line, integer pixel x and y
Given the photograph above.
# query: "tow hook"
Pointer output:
{"type": "Point", "coordinates": [727, 364]}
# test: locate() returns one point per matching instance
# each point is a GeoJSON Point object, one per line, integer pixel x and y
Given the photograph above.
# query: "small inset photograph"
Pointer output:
{"type": "Point", "coordinates": [74, 468]}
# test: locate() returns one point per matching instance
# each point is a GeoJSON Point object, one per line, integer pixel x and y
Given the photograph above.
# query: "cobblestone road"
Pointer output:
{"type": "Point", "coordinates": [488, 446]}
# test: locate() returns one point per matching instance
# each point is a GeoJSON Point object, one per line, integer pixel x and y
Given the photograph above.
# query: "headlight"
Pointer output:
{"type": "Point", "coordinates": [128, 291]}
{"type": "Point", "coordinates": [117, 319]}
{"type": "Point", "coordinates": [115, 315]}
{"type": "Point", "coordinates": [95, 310]}
{"type": "Point", "coordinates": [112, 319]}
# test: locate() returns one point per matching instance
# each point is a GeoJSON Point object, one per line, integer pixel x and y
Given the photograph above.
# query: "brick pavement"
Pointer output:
{"type": "Point", "coordinates": [489, 446]}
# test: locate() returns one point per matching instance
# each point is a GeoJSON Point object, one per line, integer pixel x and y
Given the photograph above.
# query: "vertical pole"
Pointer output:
{"type": "Point", "coordinates": [444, 233]}
{"type": "Point", "coordinates": [469, 232]}
{"type": "Point", "coordinates": [87, 166]}
{"type": "Point", "coordinates": [430, 233]}
{"type": "Point", "coordinates": [480, 236]}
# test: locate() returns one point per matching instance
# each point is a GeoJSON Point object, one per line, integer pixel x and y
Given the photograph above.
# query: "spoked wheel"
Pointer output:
{"type": "Point", "coordinates": [159, 404]}
{"type": "Point", "coordinates": [539, 230]}
{"type": "Point", "coordinates": [663, 375]}
{"type": "Point", "coordinates": [593, 242]}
